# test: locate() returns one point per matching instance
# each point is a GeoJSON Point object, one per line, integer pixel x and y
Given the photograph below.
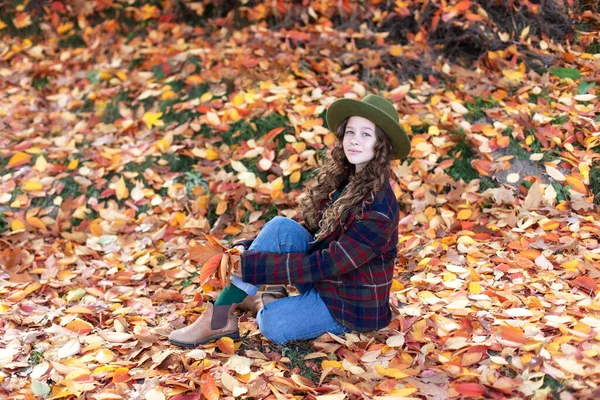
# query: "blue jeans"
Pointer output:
{"type": "Point", "coordinates": [300, 317]}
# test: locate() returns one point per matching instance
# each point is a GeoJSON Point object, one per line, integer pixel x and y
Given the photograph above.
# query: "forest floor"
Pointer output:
{"type": "Point", "coordinates": [126, 135]}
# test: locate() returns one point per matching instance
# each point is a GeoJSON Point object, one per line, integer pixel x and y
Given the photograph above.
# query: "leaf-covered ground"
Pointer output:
{"type": "Point", "coordinates": [124, 136]}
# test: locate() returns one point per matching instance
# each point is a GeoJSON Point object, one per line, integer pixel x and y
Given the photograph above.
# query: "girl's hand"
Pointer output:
{"type": "Point", "coordinates": [241, 248]}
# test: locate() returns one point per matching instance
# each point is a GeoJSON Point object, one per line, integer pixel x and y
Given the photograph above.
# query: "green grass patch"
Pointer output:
{"type": "Point", "coordinates": [111, 113]}
{"type": "Point", "coordinates": [514, 148]}
{"type": "Point", "coordinates": [476, 108]}
{"type": "Point", "coordinates": [72, 42]}
{"type": "Point", "coordinates": [462, 154]}
{"type": "Point", "coordinates": [544, 94]}
{"type": "Point", "coordinates": [40, 82]}
{"type": "Point", "coordinates": [188, 281]}
{"type": "Point", "coordinates": [555, 386]}
{"type": "Point", "coordinates": [3, 223]}
{"type": "Point", "coordinates": [179, 163]}
{"type": "Point", "coordinates": [560, 119]}
{"type": "Point", "coordinates": [593, 48]}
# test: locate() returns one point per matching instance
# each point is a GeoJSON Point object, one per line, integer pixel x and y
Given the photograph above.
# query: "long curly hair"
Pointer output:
{"type": "Point", "coordinates": [359, 188]}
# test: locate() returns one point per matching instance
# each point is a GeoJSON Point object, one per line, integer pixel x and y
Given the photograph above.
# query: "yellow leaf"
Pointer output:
{"type": "Point", "coordinates": [390, 372]}
{"type": "Point", "coordinates": [152, 119]}
{"type": "Point", "coordinates": [570, 265]}
{"type": "Point", "coordinates": [96, 229]}
{"type": "Point", "coordinates": [122, 191]}
{"type": "Point", "coordinates": [396, 286]}
{"type": "Point", "coordinates": [41, 164]}
{"type": "Point", "coordinates": [31, 186]}
{"type": "Point", "coordinates": [474, 288]}
{"type": "Point", "coordinates": [232, 230]}
{"type": "Point", "coordinates": [64, 27]}
{"type": "Point", "coordinates": [402, 392]}
{"type": "Point", "coordinates": [396, 51]}
{"type": "Point", "coordinates": [212, 154]}
{"type": "Point", "coordinates": [238, 99]}
{"type": "Point", "coordinates": [331, 364]}
{"type": "Point", "coordinates": [2, 25]}
{"type": "Point", "coordinates": [122, 76]}
{"type": "Point", "coordinates": [550, 225]}
{"type": "Point", "coordinates": [221, 207]}
{"type": "Point", "coordinates": [295, 177]}
{"type": "Point", "coordinates": [169, 94]}
{"type": "Point", "coordinates": [73, 164]}
{"type": "Point", "coordinates": [19, 158]}
{"type": "Point", "coordinates": [277, 184]}
{"type": "Point", "coordinates": [206, 97]}
{"type": "Point", "coordinates": [162, 145]}
{"type": "Point", "coordinates": [105, 76]}
{"type": "Point", "coordinates": [17, 225]}
{"type": "Point", "coordinates": [464, 214]}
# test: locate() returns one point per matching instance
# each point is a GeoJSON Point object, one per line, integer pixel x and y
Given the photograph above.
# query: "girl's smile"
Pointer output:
{"type": "Point", "coordinates": [359, 141]}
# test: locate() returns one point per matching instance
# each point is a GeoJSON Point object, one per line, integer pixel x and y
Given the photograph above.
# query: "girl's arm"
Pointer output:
{"type": "Point", "coordinates": [362, 241]}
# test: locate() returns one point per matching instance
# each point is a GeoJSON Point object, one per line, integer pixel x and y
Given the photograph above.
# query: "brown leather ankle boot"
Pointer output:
{"type": "Point", "coordinates": [215, 322]}
{"type": "Point", "coordinates": [258, 301]}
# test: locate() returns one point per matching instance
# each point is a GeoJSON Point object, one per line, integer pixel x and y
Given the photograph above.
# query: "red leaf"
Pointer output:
{"type": "Point", "coordinates": [469, 389]}
{"type": "Point", "coordinates": [209, 387]}
{"type": "Point", "coordinates": [586, 282]}
{"type": "Point", "coordinates": [209, 267]}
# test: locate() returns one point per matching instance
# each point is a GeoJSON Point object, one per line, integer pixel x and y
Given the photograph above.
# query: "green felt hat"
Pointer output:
{"type": "Point", "coordinates": [377, 110]}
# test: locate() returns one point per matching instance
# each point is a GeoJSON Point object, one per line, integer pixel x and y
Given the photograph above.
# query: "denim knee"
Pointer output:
{"type": "Point", "coordinates": [268, 327]}
{"type": "Point", "coordinates": [278, 222]}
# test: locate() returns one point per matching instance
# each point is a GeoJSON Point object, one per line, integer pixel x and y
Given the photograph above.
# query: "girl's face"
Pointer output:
{"type": "Point", "coordinates": [359, 141]}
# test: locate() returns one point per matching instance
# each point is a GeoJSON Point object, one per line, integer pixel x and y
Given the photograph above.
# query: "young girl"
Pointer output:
{"type": "Point", "coordinates": [340, 257]}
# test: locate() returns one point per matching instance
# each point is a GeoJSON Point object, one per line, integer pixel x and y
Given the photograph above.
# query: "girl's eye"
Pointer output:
{"type": "Point", "coordinates": [349, 132]}
{"type": "Point", "coordinates": [367, 134]}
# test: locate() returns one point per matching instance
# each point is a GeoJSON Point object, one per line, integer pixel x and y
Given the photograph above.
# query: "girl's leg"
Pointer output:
{"type": "Point", "coordinates": [279, 235]}
{"type": "Point", "coordinates": [300, 317]}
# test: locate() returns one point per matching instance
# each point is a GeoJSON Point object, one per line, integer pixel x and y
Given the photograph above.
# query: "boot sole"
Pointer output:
{"type": "Point", "coordinates": [233, 335]}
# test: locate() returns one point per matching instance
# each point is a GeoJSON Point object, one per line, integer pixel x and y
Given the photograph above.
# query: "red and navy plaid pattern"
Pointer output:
{"type": "Point", "coordinates": [351, 268]}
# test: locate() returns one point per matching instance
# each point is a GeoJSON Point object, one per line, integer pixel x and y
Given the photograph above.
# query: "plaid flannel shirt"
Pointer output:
{"type": "Point", "coordinates": [351, 268]}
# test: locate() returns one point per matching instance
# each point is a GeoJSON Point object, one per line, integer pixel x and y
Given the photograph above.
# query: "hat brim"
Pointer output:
{"type": "Point", "coordinates": [341, 109]}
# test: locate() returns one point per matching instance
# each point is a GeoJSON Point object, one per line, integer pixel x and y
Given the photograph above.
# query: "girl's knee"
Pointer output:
{"type": "Point", "coordinates": [269, 328]}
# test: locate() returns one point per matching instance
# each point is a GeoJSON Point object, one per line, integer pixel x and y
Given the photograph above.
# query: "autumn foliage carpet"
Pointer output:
{"type": "Point", "coordinates": [125, 135]}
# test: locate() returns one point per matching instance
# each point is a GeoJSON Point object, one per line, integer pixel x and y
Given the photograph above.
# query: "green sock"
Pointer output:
{"type": "Point", "coordinates": [230, 295]}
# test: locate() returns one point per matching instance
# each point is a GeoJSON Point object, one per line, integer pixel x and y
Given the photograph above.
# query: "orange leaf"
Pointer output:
{"type": "Point", "coordinates": [79, 326]}
{"type": "Point", "coordinates": [201, 253]}
{"type": "Point", "coordinates": [224, 269]}
{"type": "Point", "coordinates": [21, 294]}
{"type": "Point", "coordinates": [214, 241]}
{"type": "Point", "coordinates": [586, 282]}
{"type": "Point", "coordinates": [469, 389]}
{"type": "Point", "coordinates": [576, 184]}
{"type": "Point", "coordinates": [226, 345]}
{"type": "Point", "coordinates": [512, 334]}
{"type": "Point", "coordinates": [272, 133]}
{"type": "Point", "coordinates": [36, 223]}
{"type": "Point", "coordinates": [531, 254]}
{"type": "Point", "coordinates": [79, 310]}
{"type": "Point", "coordinates": [209, 387]}
{"type": "Point", "coordinates": [121, 375]}
{"type": "Point", "coordinates": [19, 158]}
{"type": "Point", "coordinates": [209, 268]}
